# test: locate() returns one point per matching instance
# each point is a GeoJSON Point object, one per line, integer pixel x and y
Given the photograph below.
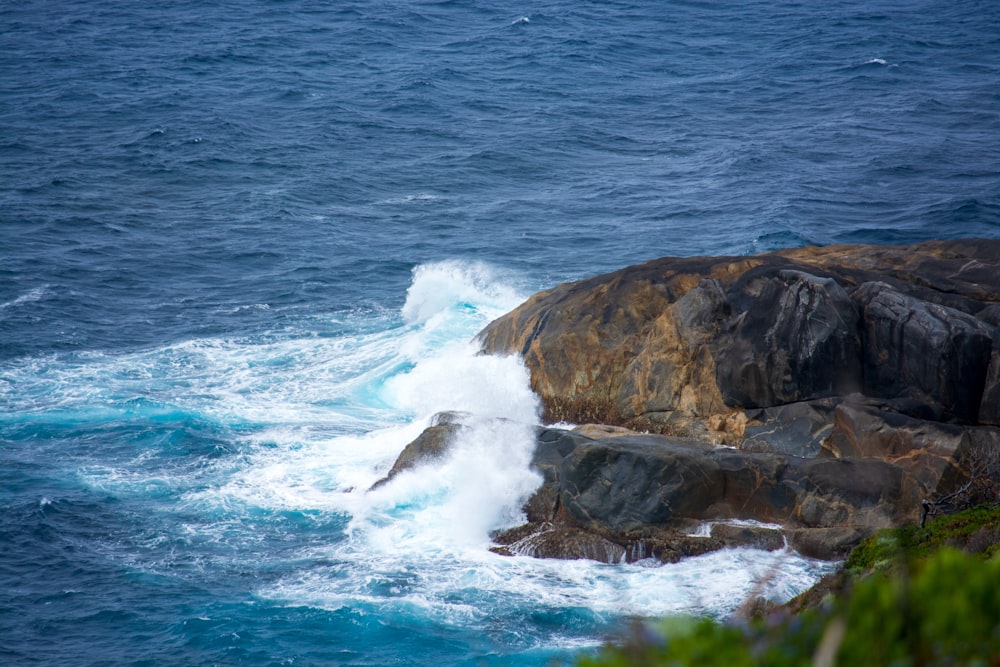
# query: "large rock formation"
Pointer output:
{"type": "Point", "coordinates": [688, 345]}
{"type": "Point", "coordinates": [853, 385]}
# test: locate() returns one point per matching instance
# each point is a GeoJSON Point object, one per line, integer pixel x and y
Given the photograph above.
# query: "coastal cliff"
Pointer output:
{"type": "Point", "coordinates": [832, 391]}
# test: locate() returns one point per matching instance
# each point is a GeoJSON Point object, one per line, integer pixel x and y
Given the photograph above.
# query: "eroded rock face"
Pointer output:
{"type": "Point", "coordinates": [936, 355]}
{"type": "Point", "coordinates": [627, 497]}
{"type": "Point", "coordinates": [680, 345]}
{"type": "Point", "coordinates": [627, 483]}
{"type": "Point", "coordinates": [852, 383]}
{"type": "Point", "coordinates": [795, 339]}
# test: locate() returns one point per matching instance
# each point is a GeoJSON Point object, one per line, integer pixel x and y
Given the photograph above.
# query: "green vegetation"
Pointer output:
{"type": "Point", "coordinates": [922, 600]}
{"type": "Point", "coordinates": [973, 531]}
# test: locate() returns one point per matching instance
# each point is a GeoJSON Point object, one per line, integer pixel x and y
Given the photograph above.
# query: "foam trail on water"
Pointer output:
{"type": "Point", "coordinates": [36, 294]}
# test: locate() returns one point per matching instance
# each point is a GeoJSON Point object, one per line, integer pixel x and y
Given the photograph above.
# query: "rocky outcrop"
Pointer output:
{"type": "Point", "coordinates": [640, 490]}
{"type": "Point", "coordinates": [851, 385]}
{"type": "Point", "coordinates": [682, 345]}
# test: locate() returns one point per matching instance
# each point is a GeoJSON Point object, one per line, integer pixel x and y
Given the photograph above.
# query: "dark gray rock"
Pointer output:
{"type": "Point", "coordinates": [795, 339]}
{"type": "Point", "coordinates": [643, 493]}
{"type": "Point", "coordinates": [755, 537]}
{"type": "Point", "coordinates": [989, 408]}
{"type": "Point", "coordinates": [826, 543]}
{"type": "Point", "coordinates": [568, 544]}
{"type": "Point", "coordinates": [617, 485]}
{"type": "Point", "coordinates": [924, 351]}
{"type": "Point", "coordinates": [625, 483]}
{"type": "Point", "coordinates": [796, 429]}
{"type": "Point", "coordinates": [990, 314]}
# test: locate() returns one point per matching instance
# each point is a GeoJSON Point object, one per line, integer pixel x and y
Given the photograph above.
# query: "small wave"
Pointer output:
{"type": "Point", "coordinates": [419, 197]}
{"type": "Point", "coordinates": [252, 306]}
{"type": "Point", "coordinates": [35, 294]}
{"type": "Point", "coordinates": [705, 529]}
{"type": "Point", "coordinates": [877, 61]}
{"type": "Point", "coordinates": [520, 21]}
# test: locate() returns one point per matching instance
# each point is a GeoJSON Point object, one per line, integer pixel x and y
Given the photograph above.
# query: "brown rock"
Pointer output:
{"type": "Point", "coordinates": [666, 345]}
{"type": "Point", "coordinates": [826, 543]}
{"type": "Point", "coordinates": [431, 444]}
{"type": "Point", "coordinates": [756, 537]}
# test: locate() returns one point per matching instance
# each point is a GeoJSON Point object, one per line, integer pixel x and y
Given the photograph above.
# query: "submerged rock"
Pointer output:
{"type": "Point", "coordinates": [432, 444]}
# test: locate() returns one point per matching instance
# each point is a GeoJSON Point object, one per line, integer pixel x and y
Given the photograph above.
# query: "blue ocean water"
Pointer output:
{"type": "Point", "coordinates": [244, 248]}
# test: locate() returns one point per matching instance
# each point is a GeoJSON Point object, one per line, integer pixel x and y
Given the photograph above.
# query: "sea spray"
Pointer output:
{"type": "Point", "coordinates": [484, 479]}
{"type": "Point", "coordinates": [418, 545]}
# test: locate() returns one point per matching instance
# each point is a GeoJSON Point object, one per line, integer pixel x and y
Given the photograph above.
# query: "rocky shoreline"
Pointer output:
{"type": "Point", "coordinates": [822, 393]}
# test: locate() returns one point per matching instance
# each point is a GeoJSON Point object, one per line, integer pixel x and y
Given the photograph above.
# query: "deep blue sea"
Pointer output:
{"type": "Point", "coordinates": [244, 247]}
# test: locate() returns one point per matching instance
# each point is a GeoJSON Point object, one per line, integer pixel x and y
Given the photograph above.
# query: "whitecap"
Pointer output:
{"type": "Point", "coordinates": [35, 294]}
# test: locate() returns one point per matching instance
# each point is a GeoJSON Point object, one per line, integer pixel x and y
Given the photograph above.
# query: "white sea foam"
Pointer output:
{"type": "Point", "coordinates": [317, 420]}
{"type": "Point", "coordinates": [439, 289]}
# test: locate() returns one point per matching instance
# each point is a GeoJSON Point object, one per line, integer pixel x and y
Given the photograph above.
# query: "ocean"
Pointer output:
{"type": "Point", "coordinates": [245, 248]}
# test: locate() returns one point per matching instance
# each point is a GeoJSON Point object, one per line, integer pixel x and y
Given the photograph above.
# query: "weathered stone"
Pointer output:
{"type": "Point", "coordinates": [595, 431]}
{"type": "Point", "coordinates": [922, 350]}
{"type": "Point", "coordinates": [826, 543]}
{"type": "Point", "coordinates": [626, 482]}
{"type": "Point", "coordinates": [989, 408]}
{"type": "Point", "coordinates": [850, 377]}
{"type": "Point", "coordinates": [796, 429]}
{"type": "Point", "coordinates": [927, 450]}
{"type": "Point", "coordinates": [762, 487]}
{"type": "Point", "coordinates": [664, 345]}
{"type": "Point", "coordinates": [617, 485]}
{"type": "Point", "coordinates": [990, 314]}
{"type": "Point", "coordinates": [795, 339]}
{"type": "Point", "coordinates": [857, 492]}
{"type": "Point", "coordinates": [568, 544]}
{"type": "Point", "coordinates": [756, 537]}
{"type": "Point", "coordinates": [660, 383]}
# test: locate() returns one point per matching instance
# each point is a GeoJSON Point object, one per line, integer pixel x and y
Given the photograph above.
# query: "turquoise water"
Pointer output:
{"type": "Point", "coordinates": [245, 248]}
